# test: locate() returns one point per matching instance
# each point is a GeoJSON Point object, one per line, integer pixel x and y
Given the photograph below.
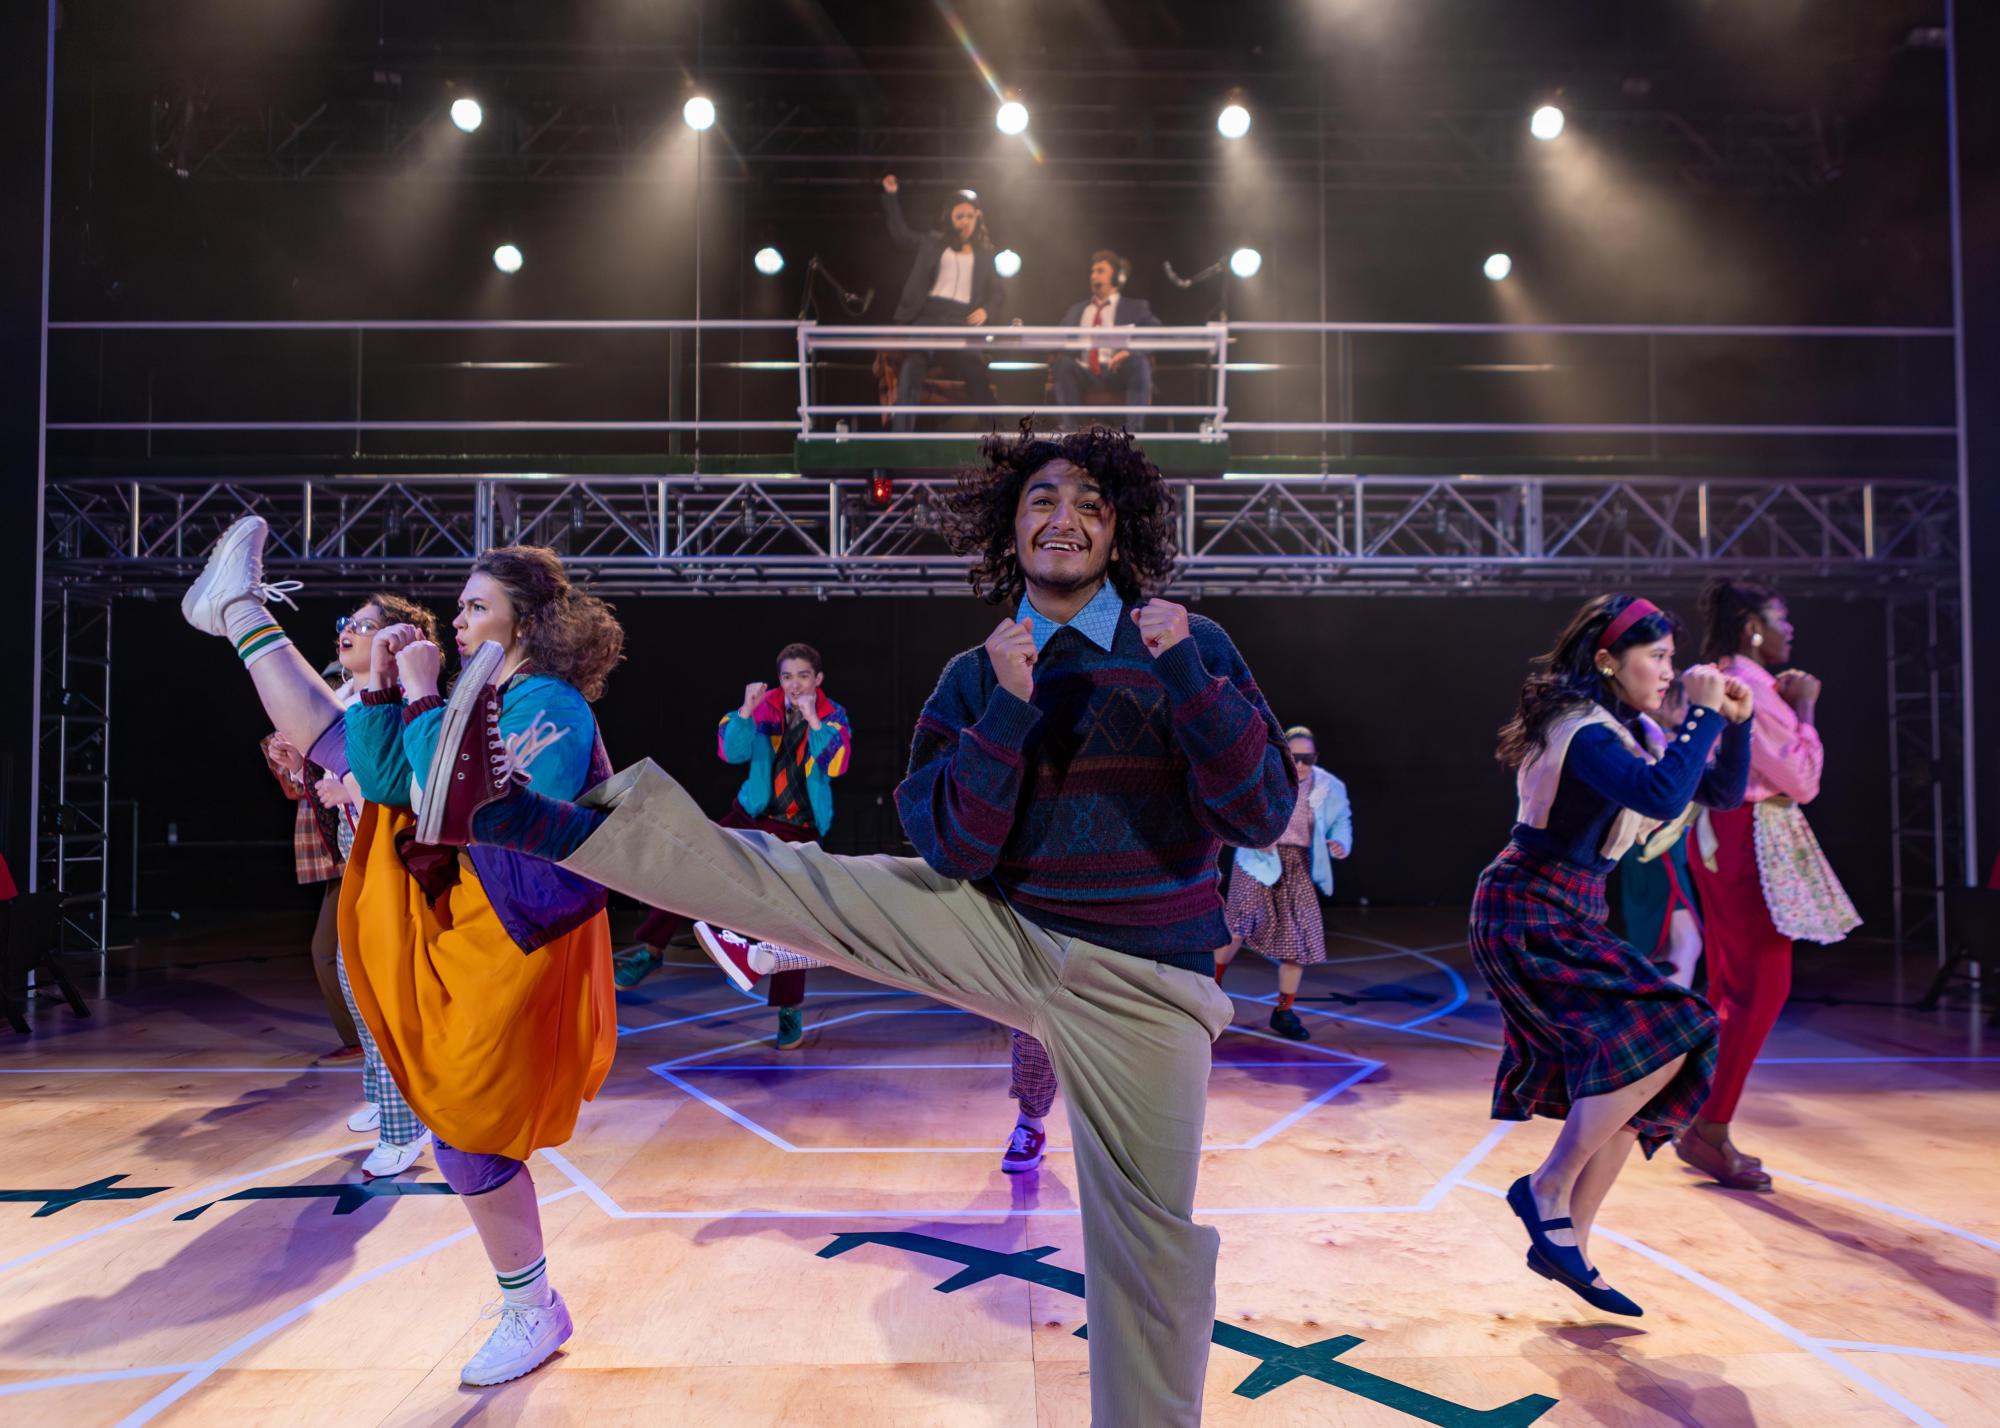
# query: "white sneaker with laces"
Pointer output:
{"type": "Point", "coordinates": [235, 571]}
{"type": "Point", "coordinates": [386, 1159]}
{"type": "Point", "coordinates": [365, 1119]}
{"type": "Point", "coordinates": [522, 1341]}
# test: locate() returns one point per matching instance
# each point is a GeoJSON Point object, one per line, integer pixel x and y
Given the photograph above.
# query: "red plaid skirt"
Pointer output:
{"type": "Point", "coordinates": [1584, 1012]}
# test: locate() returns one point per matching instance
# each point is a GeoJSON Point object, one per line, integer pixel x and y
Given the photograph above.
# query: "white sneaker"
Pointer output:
{"type": "Point", "coordinates": [522, 1342]}
{"type": "Point", "coordinates": [365, 1119]}
{"type": "Point", "coordinates": [235, 570]}
{"type": "Point", "coordinates": [386, 1159]}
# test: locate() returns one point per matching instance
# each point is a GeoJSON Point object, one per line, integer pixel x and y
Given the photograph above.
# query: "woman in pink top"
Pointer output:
{"type": "Point", "coordinates": [1762, 880]}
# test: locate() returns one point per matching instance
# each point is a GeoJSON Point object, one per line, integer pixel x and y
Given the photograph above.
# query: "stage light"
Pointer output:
{"type": "Point", "coordinates": [882, 488]}
{"type": "Point", "coordinates": [1498, 266]}
{"type": "Point", "coordinates": [699, 112]}
{"type": "Point", "coordinates": [1233, 122]}
{"type": "Point", "coordinates": [1546, 123]}
{"type": "Point", "coordinates": [769, 261]}
{"type": "Point", "coordinates": [1245, 262]}
{"type": "Point", "coordinates": [507, 258]}
{"type": "Point", "coordinates": [467, 114]}
{"type": "Point", "coordinates": [1006, 262]}
{"type": "Point", "coordinates": [1011, 117]}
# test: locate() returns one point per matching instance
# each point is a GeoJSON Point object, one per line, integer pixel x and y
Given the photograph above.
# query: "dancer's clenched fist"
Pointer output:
{"type": "Point", "coordinates": [419, 665]}
{"type": "Point", "coordinates": [1162, 624]}
{"type": "Point", "coordinates": [753, 695]}
{"type": "Point", "coordinates": [1011, 647]}
{"type": "Point", "coordinates": [382, 653]}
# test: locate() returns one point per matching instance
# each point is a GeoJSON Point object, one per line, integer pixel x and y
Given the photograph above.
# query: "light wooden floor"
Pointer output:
{"type": "Point", "coordinates": [1354, 1181]}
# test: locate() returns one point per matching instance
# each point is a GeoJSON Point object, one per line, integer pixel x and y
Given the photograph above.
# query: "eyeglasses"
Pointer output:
{"type": "Point", "coordinates": [362, 626]}
{"type": "Point", "coordinates": [1306, 760]}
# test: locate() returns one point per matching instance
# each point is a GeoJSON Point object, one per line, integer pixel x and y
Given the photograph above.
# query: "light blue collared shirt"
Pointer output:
{"type": "Point", "coordinates": [1096, 622]}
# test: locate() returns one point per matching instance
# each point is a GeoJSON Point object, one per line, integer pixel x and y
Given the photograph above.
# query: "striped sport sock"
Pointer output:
{"type": "Point", "coordinates": [526, 1288]}
{"type": "Point", "coordinates": [531, 823]}
{"type": "Point", "coordinates": [1285, 1001]}
{"type": "Point", "coordinates": [253, 631]}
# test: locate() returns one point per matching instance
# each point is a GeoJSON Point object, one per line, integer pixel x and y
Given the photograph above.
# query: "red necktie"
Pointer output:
{"type": "Point", "coordinates": [1096, 320]}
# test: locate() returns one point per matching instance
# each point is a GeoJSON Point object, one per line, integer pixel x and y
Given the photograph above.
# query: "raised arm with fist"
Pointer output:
{"type": "Point", "coordinates": [1162, 623]}
{"type": "Point", "coordinates": [1011, 647]}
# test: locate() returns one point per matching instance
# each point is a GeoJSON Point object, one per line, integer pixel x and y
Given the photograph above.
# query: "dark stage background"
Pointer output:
{"type": "Point", "coordinates": [1404, 694]}
{"type": "Point", "coordinates": [1847, 224]}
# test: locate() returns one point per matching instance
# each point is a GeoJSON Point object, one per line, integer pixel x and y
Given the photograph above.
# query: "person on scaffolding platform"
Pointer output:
{"type": "Point", "coordinates": [1073, 376]}
{"type": "Point", "coordinates": [1071, 782]}
{"type": "Point", "coordinates": [952, 283]}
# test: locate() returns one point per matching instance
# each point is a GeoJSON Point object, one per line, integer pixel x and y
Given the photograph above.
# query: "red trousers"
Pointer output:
{"type": "Point", "coordinates": [782, 989]}
{"type": "Point", "coordinates": [1749, 960]}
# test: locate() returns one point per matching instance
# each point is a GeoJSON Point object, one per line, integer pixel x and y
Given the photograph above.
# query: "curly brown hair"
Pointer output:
{"type": "Point", "coordinates": [978, 512]}
{"type": "Point", "coordinates": [398, 611]}
{"type": "Point", "coordinates": [568, 634]}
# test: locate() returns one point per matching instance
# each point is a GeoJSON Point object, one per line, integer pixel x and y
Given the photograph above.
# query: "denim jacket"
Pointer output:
{"type": "Point", "coordinates": [1333, 822]}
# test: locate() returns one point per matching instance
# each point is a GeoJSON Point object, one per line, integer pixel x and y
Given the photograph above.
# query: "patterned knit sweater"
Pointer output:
{"type": "Point", "coordinates": [1098, 809]}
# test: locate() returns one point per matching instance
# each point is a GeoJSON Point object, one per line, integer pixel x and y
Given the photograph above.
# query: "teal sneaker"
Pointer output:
{"type": "Point", "coordinates": [633, 966]}
{"type": "Point", "coordinates": [791, 1027]}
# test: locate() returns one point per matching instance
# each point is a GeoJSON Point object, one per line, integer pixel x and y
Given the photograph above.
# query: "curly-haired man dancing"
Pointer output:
{"type": "Point", "coordinates": [1070, 784]}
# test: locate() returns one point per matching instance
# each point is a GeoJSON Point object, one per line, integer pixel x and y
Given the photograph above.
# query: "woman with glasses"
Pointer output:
{"type": "Point", "coordinates": [400, 1134]}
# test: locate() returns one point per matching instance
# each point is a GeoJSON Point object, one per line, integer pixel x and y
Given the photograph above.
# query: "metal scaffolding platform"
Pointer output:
{"type": "Point", "coordinates": [811, 497]}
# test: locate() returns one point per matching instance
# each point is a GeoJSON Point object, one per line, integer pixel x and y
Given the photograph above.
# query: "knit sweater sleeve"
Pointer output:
{"type": "Point", "coordinates": [966, 765]}
{"type": "Point", "coordinates": [1723, 781]}
{"type": "Point", "coordinates": [1653, 790]}
{"type": "Point", "coordinates": [375, 752]}
{"type": "Point", "coordinates": [1241, 779]}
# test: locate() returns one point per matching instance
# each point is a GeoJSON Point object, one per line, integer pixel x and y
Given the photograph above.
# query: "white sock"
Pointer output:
{"type": "Point", "coordinates": [1031, 1122]}
{"type": "Point", "coordinates": [252, 630]}
{"type": "Point", "coordinates": [528, 1287]}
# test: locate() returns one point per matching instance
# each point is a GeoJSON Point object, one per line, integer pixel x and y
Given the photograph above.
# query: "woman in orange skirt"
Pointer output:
{"type": "Point", "coordinates": [485, 978]}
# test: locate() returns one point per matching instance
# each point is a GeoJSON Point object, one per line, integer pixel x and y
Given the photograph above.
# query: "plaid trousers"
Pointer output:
{"type": "Point", "coordinates": [400, 1125]}
{"type": "Point", "coordinates": [1034, 1079]}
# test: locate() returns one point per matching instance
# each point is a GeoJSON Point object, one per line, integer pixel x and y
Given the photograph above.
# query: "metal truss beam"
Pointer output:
{"type": "Point", "coordinates": [824, 535]}
{"type": "Point", "coordinates": [785, 142]}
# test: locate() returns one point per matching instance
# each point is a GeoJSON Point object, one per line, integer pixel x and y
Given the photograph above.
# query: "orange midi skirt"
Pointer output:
{"type": "Point", "coordinates": [495, 1050]}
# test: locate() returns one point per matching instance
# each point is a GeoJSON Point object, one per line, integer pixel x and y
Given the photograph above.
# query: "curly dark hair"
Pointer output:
{"type": "Point", "coordinates": [978, 512]}
{"type": "Point", "coordinates": [1566, 677]}
{"type": "Point", "coordinates": [567, 633]}
{"type": "Point", "coordinates": [1726, 606]}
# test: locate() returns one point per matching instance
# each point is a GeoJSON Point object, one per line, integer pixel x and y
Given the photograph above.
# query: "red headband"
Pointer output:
{"type": "Point", "coordinates": [1626, 618]}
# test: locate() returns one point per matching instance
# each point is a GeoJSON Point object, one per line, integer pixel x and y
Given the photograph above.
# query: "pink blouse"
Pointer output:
{"type": "Point", "coordinates": [1786, 756]}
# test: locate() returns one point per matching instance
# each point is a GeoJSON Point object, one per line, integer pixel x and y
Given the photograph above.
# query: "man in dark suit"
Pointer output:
{"type": "Point", "coordinates": [1107, 306]}
{"type": "Point", "coordinates": [951, 283]}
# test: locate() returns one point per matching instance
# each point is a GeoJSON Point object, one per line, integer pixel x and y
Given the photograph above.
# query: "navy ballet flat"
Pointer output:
{"type": "Point", "coordinates": [1603, 1298]}
{"type": "Point", "coordinates": [1564, 1264]}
